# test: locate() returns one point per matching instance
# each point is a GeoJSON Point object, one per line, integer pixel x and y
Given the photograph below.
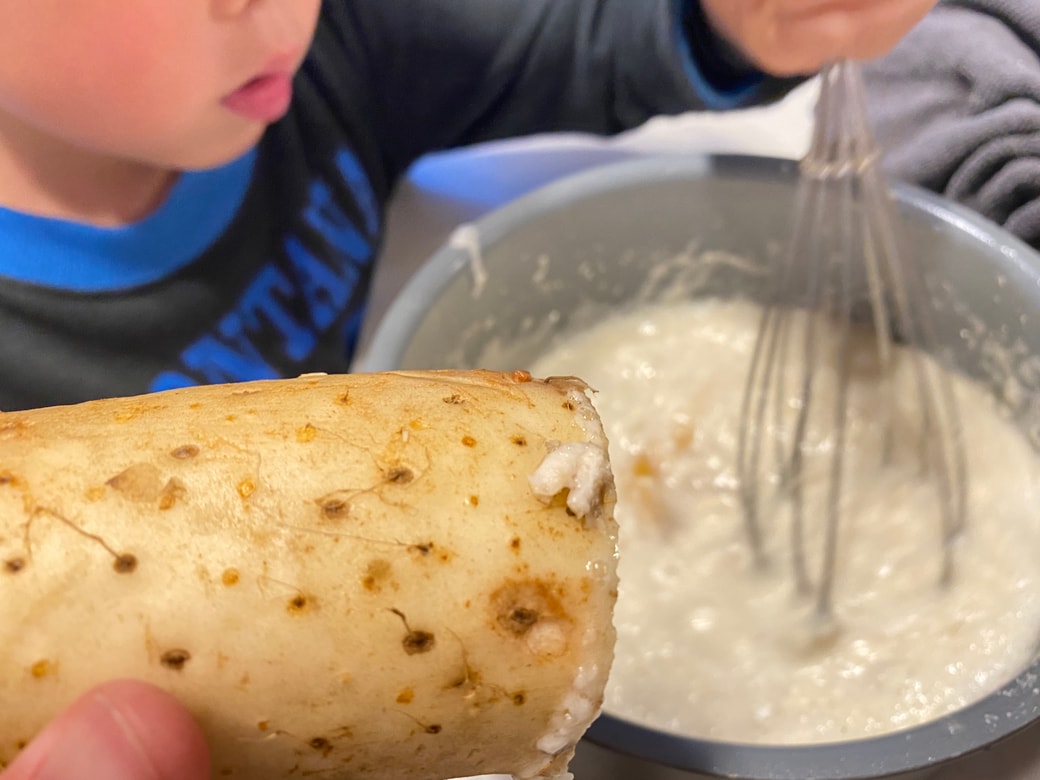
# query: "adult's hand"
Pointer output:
{"type": "Point", "coordinates": [797, 37]}
{"type": "Point", "coordinates": [122, 730]}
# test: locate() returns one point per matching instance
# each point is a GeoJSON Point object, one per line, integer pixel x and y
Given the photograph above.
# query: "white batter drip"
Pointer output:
{"type": "Point", "coordinates": [707, 645]}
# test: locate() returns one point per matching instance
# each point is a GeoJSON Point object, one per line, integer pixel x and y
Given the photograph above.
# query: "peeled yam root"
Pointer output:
{"type": "Point", "coordinates": [400, 575]}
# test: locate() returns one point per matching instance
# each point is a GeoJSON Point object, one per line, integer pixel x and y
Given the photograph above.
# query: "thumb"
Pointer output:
{"type": "Point", "coordinates": [122, 730]}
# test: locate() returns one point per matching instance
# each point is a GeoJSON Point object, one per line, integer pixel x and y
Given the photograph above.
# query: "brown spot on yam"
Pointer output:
{"type": "Point", "coordinates": [519, 699]}
{"type": "Point", "coordinates": [12, 425]}
{"type": "Point", "coordinates": [515, 544]}
{"type": "Point", "coordinates": [473, 500]}
{"type": "Point", "coordinates": [343, 399]}
{"type": "Point", "coordinates": [334, 508]}
{"type": "Point", "coordinates": [530, 609]}
{"type": "Point", "coordinates": [405, 696]}
{"type": "Point", "coordinates": [125, 563]}
{"type": "Point", "coordinates": [21, 744]}
{"type": "Point", "coordinates": [14, 565]}
{"type": "Point", "coordinates": [519, 440]}
{"type": "Point", "coordinates": [230, 577]}
{"type": "Point", "coordinates": [7, 479]}
{"type": "Point", "coordinates": [321, 744]}
{"type": "Point", "coordinates": [246, 488]}
{"type": "Point", "coordinates": [423, 549]}
{"type": "Point", "coordinates": [569, 406]}
{"type": "Point", "coordinates": [175, 659]}
{"type": "Point", "coordinates": [263, 725]}
{"type": "Point", "coordinates": [140, 482]}
{"type": "Point", "coordinates": [43, 668]}
{"type": "Point", "coordinates": [171, 493]}
{"type": "Point", "coordinates": [400, 475]}
{"type": "Point", "coordinates": [376, 574]}
{"type": "Point", "coordinates": [454, 399]}
{"type": "Point", "coordinates": [185, 452]}
{"type": "Point", "coordinates": [306, 434]}
{"type": "Point", "coordinates": [414, 642]}
{"type": "Point", "coordinates": [469, 441]}
{"type": "Point", "coordinates": [94, 494]}
{"type": "Point", "coordinates": [434, 728]}
{"type": "Point", "coordinates": [520, 619]}
{"type": "Point", "coordinates": [301, 603]}
{"type": "Point", "coordinates": [418, 642]}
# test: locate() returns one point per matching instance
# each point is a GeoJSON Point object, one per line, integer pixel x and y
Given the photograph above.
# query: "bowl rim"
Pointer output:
{"type": "Point", "coordinates": [1010, 709]}
{"type": "Point", "coordinates": [406, 310]}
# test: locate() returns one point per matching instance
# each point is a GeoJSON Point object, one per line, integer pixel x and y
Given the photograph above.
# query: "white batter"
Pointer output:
{"type": "Point", "coordinates": [710, 646]}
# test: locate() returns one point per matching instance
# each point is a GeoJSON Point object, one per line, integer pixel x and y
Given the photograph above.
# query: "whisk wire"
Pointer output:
{"type": "Point", "coordinates": [842, 270]}
{"type": "Point", "coordinates": [843, 267]}
{"type": "Point", "coordinates": [941, 454]}
{"type": "Point", "coordinates": [793, 463]}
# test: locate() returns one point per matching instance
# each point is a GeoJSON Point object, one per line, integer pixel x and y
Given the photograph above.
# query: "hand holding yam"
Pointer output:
{"type": "Point", "coordinates": [402, 575]}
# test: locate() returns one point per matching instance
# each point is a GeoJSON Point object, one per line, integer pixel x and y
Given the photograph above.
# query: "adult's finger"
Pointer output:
{"type": "Point", "coordinates": [122, 730]}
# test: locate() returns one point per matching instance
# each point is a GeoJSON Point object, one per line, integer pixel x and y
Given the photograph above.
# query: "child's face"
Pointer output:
{"type": "Point", "coordinates": [153, 81]}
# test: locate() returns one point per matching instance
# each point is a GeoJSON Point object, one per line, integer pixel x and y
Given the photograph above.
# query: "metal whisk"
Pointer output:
{"type": "Point", "coordinates": [844, 292]}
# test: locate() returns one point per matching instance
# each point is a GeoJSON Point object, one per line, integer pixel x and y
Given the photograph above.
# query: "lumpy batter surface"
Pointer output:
{"type": "Point", "coordinates": [708, 644]}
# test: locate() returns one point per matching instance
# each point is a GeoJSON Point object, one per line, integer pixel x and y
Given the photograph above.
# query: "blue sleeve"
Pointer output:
{"type": "Point", "coordinates": [448, 73]}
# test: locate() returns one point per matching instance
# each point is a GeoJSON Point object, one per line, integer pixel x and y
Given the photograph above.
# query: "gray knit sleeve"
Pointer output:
{"type": "Point", "coordinates": [957, 107]}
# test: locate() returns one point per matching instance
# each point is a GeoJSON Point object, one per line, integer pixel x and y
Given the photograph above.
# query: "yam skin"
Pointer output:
{"type": "Point", "coordinates": [341, 577]}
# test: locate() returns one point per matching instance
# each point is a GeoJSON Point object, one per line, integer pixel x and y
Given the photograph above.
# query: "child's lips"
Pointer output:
{"type": "Point", "coordinates": [263, 99]}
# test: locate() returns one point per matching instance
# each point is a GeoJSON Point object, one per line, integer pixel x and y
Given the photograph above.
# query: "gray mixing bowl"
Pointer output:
{"type": "Point", "coordinates": [633, 232]}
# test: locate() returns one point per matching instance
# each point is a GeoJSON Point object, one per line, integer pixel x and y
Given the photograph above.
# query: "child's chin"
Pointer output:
{"type": "Point", "coordinates": [221, 153]}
